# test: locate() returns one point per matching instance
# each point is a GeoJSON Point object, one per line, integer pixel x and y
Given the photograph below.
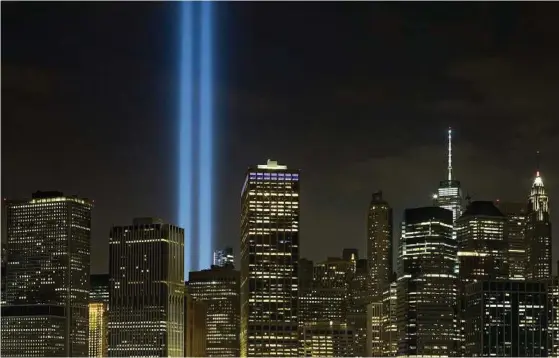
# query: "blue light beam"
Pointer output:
{"type": "Point", "coordinates": [205, 222]}
{"type": "Point", "coordinates": [186, 110]}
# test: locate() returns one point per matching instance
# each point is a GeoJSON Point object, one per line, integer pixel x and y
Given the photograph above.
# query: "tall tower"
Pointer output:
{"type": "Point", "coordinates": [449, 195]}
{"type": "Point", "coordinates": [99, 316]}
{"type": "Point", "coordinates": [515, 235]}
{"type": "Point", "coordinates": [427, 292]}
{"type": "Point", "coordinates": [146, 309]}
{"type": "Point", "coordinates": [49, 240]}
{"type": "Point", "coordinates": [269, 261]}
{"type": "Point", "coordinates": [379, 245]}
{"type": "Point", "coordinates": [538, 232]}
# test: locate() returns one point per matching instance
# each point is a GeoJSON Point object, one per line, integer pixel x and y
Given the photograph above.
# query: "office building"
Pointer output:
{"type": "Point", "coordinates": [4, 276]}
{"type": "Point", "coordinates": [47, 293]}
{"type": "Point", "coordinates": [374, 329]}
{"type": "Point", "coordinates": [269, 261]}
{"type": "Point", "coordinates": [482, 245]}
{"type": "Point", "coordinates": [328, 339]}
{"type": "Point", "coordinates": [359, 298]}
{"type": "Point", "coordinates": [146, 308]}
{"type": "Point", "coordinates": [195, 326]}
{"type": "Point", "coordinates": [449, 194]}
{"type": "Point", "coordinates": [99, 316]}
{"type": "Point", "coordinates": [427, 292]}
{"type": "Point", "coordinates": [507, 318]}
{"type": "Point", "coordinates": [538, 233]}
{"type": "Point", "coordinates": [224, 257]}
{"type": "Point", "coordinates": [389, 332]}
{"type": "Point", "coordinates": [379, 245]}
{"type": "Point", "coordinates": [553, 296]}
{"type": "Point", "coordinates": [219, 289]}
{"type": "Point", "coordinates": [515, 235]}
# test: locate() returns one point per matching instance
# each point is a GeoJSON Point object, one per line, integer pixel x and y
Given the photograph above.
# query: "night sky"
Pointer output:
{"type": "Point", "coordinates": [356, 95]}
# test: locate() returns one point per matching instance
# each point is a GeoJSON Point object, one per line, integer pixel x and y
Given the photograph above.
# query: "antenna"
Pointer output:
{"type": "Point", "coordinates": [449, 154]}
{"type": "Point", "coordinates": [538, 163]}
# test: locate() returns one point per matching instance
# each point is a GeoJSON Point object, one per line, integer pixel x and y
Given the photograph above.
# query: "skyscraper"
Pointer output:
{"type": "Point", "coordinates": [449, 194]}
{"type": "Point", "coordinates": [538, 233]}
{"type": "Point", "coordinates": [515, 235]}
{"type": "Point", "coordinates": [4, 276]}
{"type": "Point", "coordinates": [223, 257]}
{"type": "Point", "coordinates": [99, 316]}
{"type": "Point", "coordinates": [146, 309]}
{"type": "Point", "coordinates": [427, 292]}
{"type": "Point", "coordinates": [379, 245]}
{"type": "Point", "coordinates": [269, 261]}
{"type": "Point", "coordinates": [359, 298]}
{"type": "Point", "coordinates": [49, 241]}
{"type": "Point", "coordinates": [507, 319]}
{"type": "Point", "coordinates": [195, 326]}
{"type": "Point", "coordinates": [482, 245]}
{"type": "Point", "coordinates": [219, 289]}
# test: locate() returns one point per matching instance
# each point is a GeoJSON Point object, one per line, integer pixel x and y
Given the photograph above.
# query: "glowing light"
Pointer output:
{"type": "Point", "coordinates": [195, 207]}
{"type": "Point", "coordinates": [186, 117]}
{"type": "Point", "coordinates": [206, 139]}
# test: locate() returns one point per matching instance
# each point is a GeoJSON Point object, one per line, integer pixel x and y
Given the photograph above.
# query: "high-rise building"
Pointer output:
{"type": "Point", "coordinates": [328, 339]}
{"type": "Point", "coordinates": [195, 326]}
{"type": "Point", "coordinates": [326, 299]}
{"type": "Point", "coordinates": [515, 235]}
{"type": "Point", "coordinates": [538, 233]}
{"type": "Point", "coordinates": [390, 321]}
{"type": "Point", "coordinates": [427, 292]}
{"type": "Point", "coordinates": [449, 194]}
{"type": "Point", "coordinates": [224, 257]}
{"type": "Point", "coordinates": [553, 296]}
{"type": "Point", "coordinates": [507, 318]}
{"type": "Point", "coordinates": [99, 316]}
{"type": "Point", "coordinates": [4, 276]}
{"type": "Point", "coordinates": [359, 298]}
{"type": "Point", "coordinates": [269, 261]}
{"type": "Point", "coordinates": [379, 245]}
{"type": "Point", "coordinates": [219, 289]}
{"type": "Point", "coordinates": [482, 245]}
{"type": "Point", "coordinates": [146, 309]}
{"type": "Point", "coordinates": [374, 329]}
{"type": "Point", "coordinates": [47, 293]}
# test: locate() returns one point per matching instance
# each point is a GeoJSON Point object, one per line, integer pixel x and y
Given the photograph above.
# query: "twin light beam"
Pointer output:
{"type": "Point", "coordinates": [195, 167]}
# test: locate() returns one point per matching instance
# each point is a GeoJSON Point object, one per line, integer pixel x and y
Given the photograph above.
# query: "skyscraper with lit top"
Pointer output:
{"type": "Point", "coordinates": [46, 314]}
{"type": "Point", "coordinates": [269, 261]}
{"type": "Point", "coordinates": [538, 233]}
{"type": "Point", "coordinates": [449, 194]}
{"type": "Point", "coordinates": [99, 316]}
{"type": "Point", "coordinates": [379, 245]}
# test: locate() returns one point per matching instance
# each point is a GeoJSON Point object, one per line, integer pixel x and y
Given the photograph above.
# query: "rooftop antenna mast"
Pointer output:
{"type": "Point", "coordinates": [449, 154]}
{"type": "Point", "coordinates": [538, 163]}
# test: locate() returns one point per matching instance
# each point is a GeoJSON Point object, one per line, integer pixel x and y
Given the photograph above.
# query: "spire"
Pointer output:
{"type": "Point", "coordinates": [449, 154]}
{"type": "Point", "coordinates": [538, 163]}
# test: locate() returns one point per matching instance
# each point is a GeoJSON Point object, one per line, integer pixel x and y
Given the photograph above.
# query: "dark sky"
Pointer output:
{"type": "Point", "coordinates": [357, 95]}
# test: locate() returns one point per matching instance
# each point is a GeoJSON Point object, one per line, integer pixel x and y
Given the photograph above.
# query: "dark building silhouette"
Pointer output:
{"type": "Point", "coordinates": [379, 245]}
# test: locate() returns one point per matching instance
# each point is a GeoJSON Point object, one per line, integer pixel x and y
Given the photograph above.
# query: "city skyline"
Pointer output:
{"type": "Point", "coordinates": [70, 101]}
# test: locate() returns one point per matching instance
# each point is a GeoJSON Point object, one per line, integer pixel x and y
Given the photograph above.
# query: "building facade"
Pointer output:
{"type": "Point", "coordinates": [515, 235]}
{"type": "Point", "coordinates": [328, 339]}
{"type": "Point", "coordinates": [507, 318]}
{"type": "Point", "coordinates": [195, 326]}
{"type": "Point", "coordinates": [146, 309]}
{"type": "Point", "coordinates": [223, 257]}
{"type": "Point", "coordinates": [482, 244]}
{"type": "Point", "coordinates": [269, 261]}
{"type": "Point", "coordinates": [379, 245]}
{"type": "Point", "coordinates": [538, 233]}
{"type": "Point", "coordinates": [99, 316]}
{"type": "Point", "coordinates": [427, 290]}
{"type": "Point", "coordinates": [47, 293]}
{"type": "Point", "coordinates": [219, 289]}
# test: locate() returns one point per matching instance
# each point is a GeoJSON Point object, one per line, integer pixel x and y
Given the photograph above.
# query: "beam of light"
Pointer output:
{"type": "Point", "coordinates": [206, 139]}
{"type": "Point", "coordinates": [185, 191]}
